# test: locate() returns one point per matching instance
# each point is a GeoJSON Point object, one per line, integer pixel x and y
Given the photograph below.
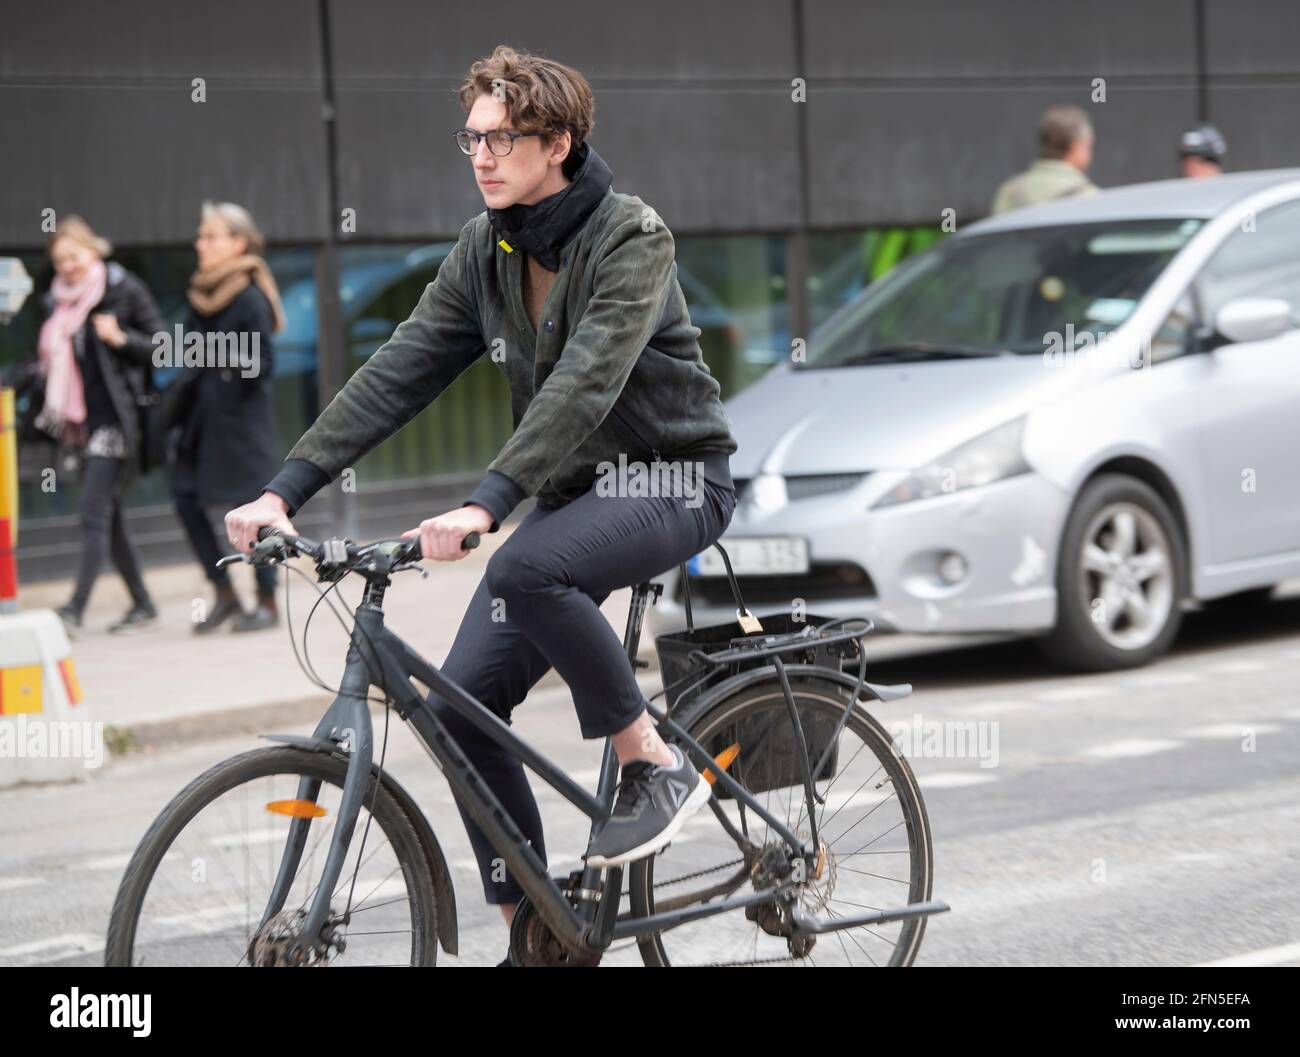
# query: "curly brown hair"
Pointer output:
{"type": "Point", "coordinates": [540, 95]}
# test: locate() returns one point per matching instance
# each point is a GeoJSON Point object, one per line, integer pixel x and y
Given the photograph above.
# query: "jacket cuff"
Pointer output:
{"type": "Point", "coordinates": [297, 482]}
{"type": "Point", "coordinates": [498, 495]}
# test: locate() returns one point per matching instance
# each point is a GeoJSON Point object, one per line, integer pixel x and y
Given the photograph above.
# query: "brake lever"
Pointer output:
{"type": "Point", "coordinates": [269, 550]}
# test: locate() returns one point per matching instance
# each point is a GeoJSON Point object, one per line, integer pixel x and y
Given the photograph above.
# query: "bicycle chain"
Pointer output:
{"type": "Point", "coordinates": [742, 965]}
{"type": "Point", "coordinates": [699, 873]}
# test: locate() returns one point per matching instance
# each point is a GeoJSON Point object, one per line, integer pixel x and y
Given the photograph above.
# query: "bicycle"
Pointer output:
{"type": "Point", "coordinates": [407, 909]}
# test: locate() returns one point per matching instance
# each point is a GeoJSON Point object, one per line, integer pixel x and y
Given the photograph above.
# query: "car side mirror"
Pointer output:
{"type": "Point", "coordinates": [1253, 319]}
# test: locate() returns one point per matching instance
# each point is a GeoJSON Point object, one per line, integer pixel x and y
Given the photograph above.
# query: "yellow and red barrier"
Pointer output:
{"type": "Point", "coordinates": [46, 731]}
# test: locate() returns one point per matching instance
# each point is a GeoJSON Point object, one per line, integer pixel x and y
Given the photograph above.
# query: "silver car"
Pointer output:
{"type": "Point", "coordinates": [1061, 422]}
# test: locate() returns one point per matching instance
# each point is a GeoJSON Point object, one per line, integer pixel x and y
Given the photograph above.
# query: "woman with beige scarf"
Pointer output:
{"type": "Point", "coordinates": [229, 446]}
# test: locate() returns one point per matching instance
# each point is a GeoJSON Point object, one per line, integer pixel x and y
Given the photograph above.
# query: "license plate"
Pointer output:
{"type": "Point", "coordinates": [755, 556]}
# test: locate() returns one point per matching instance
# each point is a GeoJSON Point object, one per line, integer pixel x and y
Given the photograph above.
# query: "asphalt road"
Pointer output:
{"type": "Point", "coordinates": [1149, 817]}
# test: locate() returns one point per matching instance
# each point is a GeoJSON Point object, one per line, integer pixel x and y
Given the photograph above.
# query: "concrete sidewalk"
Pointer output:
{"type": "Point", "coordinates": [163, 684]}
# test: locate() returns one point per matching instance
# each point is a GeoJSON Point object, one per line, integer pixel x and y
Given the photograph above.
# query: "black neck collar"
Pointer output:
{"type": "Point", "coordinates": [543, 228]}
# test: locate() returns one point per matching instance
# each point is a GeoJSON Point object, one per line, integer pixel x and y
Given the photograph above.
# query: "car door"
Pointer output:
{"type": "Point", "coordinates": [1250, 407]}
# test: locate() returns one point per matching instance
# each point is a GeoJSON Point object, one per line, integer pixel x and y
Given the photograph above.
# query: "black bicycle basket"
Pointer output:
{"type": "Point", "coordinates": [768, 756]}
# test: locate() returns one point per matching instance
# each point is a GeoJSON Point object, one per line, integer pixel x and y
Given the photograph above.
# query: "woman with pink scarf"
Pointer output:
{"type": "Point", "coordinates": [95, 355]}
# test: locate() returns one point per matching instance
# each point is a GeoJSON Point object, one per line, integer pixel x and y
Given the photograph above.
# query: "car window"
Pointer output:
{"type": "Point", "coordinates": [1260, 262]}
{"type": "Point", "coordinates": [1019, 290]}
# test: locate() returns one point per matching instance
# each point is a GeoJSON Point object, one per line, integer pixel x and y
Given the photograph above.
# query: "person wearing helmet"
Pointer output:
{"type": "Point", "coordinates": [1201, 150]}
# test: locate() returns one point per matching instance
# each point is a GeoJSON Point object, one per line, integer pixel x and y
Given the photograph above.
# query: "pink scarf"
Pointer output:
{"type": "Point", "coordinates": [65, 399]}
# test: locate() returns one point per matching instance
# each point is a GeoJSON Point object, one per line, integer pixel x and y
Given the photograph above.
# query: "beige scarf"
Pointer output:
{"type": "Point", "coordinates": [212, 289]}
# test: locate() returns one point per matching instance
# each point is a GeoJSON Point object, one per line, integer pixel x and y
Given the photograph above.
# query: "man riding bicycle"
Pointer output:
{"type": "Point", "coordinates": [573, 288]}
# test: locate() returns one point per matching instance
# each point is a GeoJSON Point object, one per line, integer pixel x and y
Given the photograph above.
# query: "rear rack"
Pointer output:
{"type": "Point", "coordinates": [758, 647]}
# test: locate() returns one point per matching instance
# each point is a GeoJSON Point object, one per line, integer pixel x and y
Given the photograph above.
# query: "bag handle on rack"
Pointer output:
{"type": "Point", "coordinates": [749, 623]}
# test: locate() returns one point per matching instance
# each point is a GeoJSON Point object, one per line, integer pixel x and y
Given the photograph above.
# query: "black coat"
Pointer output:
{"type": "Point", "coordinates": [126, 374]}
{"type": "Point", "coordinates": [229, 446]}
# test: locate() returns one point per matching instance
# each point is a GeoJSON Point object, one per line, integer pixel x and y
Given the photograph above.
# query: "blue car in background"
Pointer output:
{"type": "Point", "coordinates": [380, 285]}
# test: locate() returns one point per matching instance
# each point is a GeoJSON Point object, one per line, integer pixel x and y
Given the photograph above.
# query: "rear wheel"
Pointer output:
{"type": "Point", "coordinates": [197, 886]}
{"type": "Point", "coordinates": [874, 839]}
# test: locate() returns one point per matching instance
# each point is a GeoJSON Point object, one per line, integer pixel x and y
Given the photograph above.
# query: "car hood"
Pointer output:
{"type": "Point", "coordinates": [885, 416]}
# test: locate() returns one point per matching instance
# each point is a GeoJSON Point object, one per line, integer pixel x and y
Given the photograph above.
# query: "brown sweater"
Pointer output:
{"type": "Point", "coordinates": [537, 284]}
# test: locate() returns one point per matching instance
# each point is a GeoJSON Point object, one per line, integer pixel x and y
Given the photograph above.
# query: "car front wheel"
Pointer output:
{"type": "Point", "coordinates": [1120, 578]}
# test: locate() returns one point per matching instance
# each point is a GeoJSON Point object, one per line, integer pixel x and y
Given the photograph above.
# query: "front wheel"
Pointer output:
{"type": "Point", "coordinates": [874, 842]}
{"type": "Point", "coordinates": [197, 887]}
{"type": "Point", "coordinates": [1120, 578]}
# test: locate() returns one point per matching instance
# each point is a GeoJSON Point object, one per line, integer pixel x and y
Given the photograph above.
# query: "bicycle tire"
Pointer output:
{"type": "Point", "coordinates": [262, 763]}
{"type": "Point", "coordinates": [830, 697]}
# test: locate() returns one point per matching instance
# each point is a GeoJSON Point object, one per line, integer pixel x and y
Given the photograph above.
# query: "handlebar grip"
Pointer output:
{"type": "Point", "coordinates": [470, 541]}
{"type": "Point", "coordinates": [301, 544]}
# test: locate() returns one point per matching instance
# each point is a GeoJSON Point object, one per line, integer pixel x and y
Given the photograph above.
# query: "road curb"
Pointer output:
{"type": "Point", "coordinates": [268, 718]}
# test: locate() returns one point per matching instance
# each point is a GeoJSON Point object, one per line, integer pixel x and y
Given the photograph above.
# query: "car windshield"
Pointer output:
{"type": "Point", "coordinates": [1007, 292]}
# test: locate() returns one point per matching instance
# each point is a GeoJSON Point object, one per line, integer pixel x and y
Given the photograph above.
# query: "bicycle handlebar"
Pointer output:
{"type": "Point", "coordinates": [343, 554]}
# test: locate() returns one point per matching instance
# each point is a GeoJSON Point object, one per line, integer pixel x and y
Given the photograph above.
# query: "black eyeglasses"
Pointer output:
{"type": "Point", "coordinates": [499, 141]}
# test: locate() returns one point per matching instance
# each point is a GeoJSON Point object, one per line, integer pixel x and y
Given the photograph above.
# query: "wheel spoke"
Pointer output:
{"type": "Point", "coordinates": [1096, 560]}
{"type": "Point", "coordinates": [1148, 564]}
{"type": "Point", "coordinates": [1112, 603]}
{"type": "Point", "coordinates": [1139, 610]}
{"type": "Point", "coordinates": [1125, 525]}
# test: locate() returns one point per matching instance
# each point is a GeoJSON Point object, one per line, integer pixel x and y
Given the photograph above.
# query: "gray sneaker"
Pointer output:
{"type": "Point", "coordinates": [654, 800]}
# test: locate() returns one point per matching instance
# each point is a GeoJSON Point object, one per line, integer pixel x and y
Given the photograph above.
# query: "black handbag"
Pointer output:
{"type": "Point", "coordinates": [153, 451]}
{"type": "Point", "coordinates": [163, 414]}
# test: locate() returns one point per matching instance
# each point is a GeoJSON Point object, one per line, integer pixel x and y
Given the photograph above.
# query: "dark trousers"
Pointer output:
{"type": "Point", "coordinates": [538, 606]}
{"type": "Point", "coordinates": [103, 530]}
{"type": "Point", "coordinates": [203, 540]}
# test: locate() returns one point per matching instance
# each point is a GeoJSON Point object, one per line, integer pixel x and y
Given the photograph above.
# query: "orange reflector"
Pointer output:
{"type": "Point", "coordinates": [723, 760]}
{"type": "Point", "coordinates": [70, 682]}
{"type": "Point", "coordinates": [296, 808]}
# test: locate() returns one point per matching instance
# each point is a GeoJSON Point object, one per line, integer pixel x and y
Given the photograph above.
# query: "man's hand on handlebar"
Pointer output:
{"type": "Point", "coordinates": [441, 536]}
{"type": "Point", "coordinates": [243, 522]}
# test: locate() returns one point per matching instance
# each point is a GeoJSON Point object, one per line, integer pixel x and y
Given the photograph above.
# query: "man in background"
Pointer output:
{"type": "Point", "coordinates": [1065, 139]}
{"type": "Point", "coordinates": [1201, 150]}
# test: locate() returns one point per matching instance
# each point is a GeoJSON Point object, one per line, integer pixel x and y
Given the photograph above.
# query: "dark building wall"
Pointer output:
{"type": "Point", "coordinates": [1252, 78]}
{"type": "Point", "coordinates": [912, 105]}
{"type": "Point", "coordinates": [693, 108]}
{"type": "Point", "coordinates": [920, 105]}
{"type": "Point", "coordinates": [97, 117]}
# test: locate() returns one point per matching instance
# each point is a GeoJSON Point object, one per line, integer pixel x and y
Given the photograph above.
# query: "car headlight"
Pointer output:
{"type": "Point", "coordinates": [989, 457]}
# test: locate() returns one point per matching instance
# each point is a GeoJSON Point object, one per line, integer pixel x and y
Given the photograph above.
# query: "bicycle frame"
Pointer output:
{"type": "Point", "coordinates": [377, 656]}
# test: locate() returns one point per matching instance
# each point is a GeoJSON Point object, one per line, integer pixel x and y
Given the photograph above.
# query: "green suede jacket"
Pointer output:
{"type": "Point", "coordinates": [614, 368]}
